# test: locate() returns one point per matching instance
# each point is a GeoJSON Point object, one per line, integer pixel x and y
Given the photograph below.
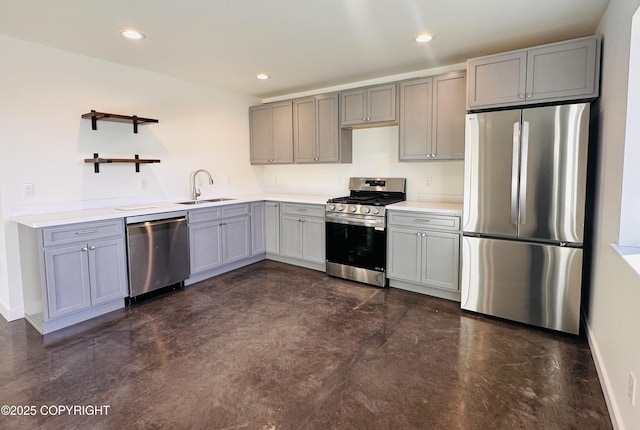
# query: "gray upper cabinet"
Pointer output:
{"type": "Point", "coordinates": [369, 106]}
{"type": "Point", "coordinates": [271, 129]}
{"type": "Point", "coordinates": [432, 115]}
{"type": "Point", "coordinates": [567, 70]}
{"type": "Point", "coordinates": [317, 136]}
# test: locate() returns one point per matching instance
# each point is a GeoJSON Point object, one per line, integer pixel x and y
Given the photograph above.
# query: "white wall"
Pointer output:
{"type": "Point", "coordinates": [612, 318]}
{"type": "Point", "coordinates": [43, 140]}
{"type": "Point", "coordinates": [375, 153]}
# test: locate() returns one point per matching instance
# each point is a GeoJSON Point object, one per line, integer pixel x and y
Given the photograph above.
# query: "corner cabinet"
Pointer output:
{"type": "Point", "coordinates": [423, 253]}
{"type": "Point", "coordinates": [431, 119]}
{"type": "Point", "coordinates": [369, 106]}
{"type": "Point", "coordinates": [317, 136]}
{"type": "Point", "coordinates": [72, 273]}
{"type": "Point", "coordinates": [271, 133]}
{"type": "Point", "coordinates": [568, 70]}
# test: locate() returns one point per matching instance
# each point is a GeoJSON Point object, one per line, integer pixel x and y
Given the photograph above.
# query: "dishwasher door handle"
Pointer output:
{"type": "Point", "coordinates": [159, 222]}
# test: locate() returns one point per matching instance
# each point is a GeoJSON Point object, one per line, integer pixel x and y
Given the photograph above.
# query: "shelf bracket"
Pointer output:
{"type": "Point", "coordinates": [96, 165]}
{"type": "Point", "coordinates": [135, 130]}
{"type": "Point", "coordinates": [137, 157]}
{"type": "Point", "coordinates": [94, 123]}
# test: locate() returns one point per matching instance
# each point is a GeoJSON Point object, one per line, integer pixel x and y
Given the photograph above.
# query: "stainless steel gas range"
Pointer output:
{"type": "Point", "coordinates": [356, 236]}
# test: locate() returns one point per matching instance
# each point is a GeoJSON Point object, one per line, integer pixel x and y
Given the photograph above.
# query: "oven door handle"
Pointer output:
{"type": "Point", "coordinates": [377, 223]}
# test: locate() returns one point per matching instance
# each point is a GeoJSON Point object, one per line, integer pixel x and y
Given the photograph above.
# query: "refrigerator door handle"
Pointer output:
{"type": "Point", "coordinates": [523, 172]}
{"type": "Point", "coordinates": [514, 173]}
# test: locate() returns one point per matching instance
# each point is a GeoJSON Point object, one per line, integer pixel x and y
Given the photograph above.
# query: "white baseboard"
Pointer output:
{"type": "Point", "coordinates": [11, 314]}
{"type": "Point", "coordinates": [605, 382]}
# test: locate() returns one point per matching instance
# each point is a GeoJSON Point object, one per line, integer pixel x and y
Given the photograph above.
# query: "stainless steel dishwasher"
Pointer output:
{"type": "Point", "coordinates": [158, 252]}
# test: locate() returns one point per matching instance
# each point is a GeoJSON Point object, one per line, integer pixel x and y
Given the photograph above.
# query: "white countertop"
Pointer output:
{"type": "Point", "coordinates": [427, 207]}
{"type": "Point", "coordinates": [86, 215]}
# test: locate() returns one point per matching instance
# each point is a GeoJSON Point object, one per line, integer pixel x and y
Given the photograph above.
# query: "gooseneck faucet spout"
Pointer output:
{"type": "Point", "coordinates": [195, 191]}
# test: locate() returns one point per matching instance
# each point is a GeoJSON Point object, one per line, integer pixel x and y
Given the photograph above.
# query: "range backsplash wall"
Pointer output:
{"type": "Point", "coordinates": [375, 153]}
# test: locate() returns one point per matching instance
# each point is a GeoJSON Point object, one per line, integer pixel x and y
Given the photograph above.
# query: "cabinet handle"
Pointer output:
{"type": "Point", "coordinates": [421, 220]}
{"type": "Point", "coordinates": [84, 249]}
{"type": "Point", "coordinates": [424, 234]}
{"type": "Point", "coordinates": [80, 233]}
{"type": "Point", "coordinates": [433, 155]}
{"type": "Point", "coordinates": [529, 95]}
{"type": "Point", "coordinates": [418, 234]}
{"type": "Point", "coordinates": [91, 248]}
{"type": "Point", "coordinates": [521, 96]}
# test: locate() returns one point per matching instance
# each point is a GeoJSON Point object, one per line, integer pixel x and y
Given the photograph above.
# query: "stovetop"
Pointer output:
{"type": "Point", "coordinates": [381, 199]}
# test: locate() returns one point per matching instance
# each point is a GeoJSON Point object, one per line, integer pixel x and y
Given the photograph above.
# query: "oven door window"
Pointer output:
{"type": "Point", "coordinates": [355, 245]}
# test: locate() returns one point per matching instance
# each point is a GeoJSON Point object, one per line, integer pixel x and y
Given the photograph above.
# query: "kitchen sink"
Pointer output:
{"type": "Point", "coordinates": [199, 202]}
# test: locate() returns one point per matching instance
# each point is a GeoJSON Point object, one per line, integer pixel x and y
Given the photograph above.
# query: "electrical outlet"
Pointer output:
{"type": "Point", "coordinates": [143, 184]}
{"type": "Point", "coordinates": [632, 389]}
{"type": "Point", "coordinates": [28, 190]}
{"type": "Point", "coordinates": [428, 182]}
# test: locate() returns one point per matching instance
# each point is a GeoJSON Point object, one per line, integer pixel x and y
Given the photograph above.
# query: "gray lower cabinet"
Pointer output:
{"type": "Point", "coordinates": [258, 238]}
{"type": "Point", "coordinates": [432, 118]}
{"type": "Point", "coordinates": [72, 273]}
{"type": "Point", "coordinates": [423, 253]}
{"type": "Point", "coordinates": [560, 71]}
{"type": "Point", "coordinates": [368, 106]}
{"type": "Point", "coordinates": [302, 235]}
{"type": "Point", "coordinates": [271, 133]}
{"type": "Point", "coordinates": [218, 236]}
{"type": "Point", "coordinates": [272, 227]}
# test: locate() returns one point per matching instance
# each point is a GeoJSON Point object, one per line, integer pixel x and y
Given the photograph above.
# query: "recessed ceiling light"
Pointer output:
{"type": "Point", "coordinates": [262, 76]}
{"type": "Point", "coordinates": [132, 34]}
{"type": "Point", "coordinates": [423, 38]}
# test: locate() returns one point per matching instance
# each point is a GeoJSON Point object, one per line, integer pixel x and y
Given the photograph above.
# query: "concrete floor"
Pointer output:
{"type": "Point", "coordinates": [273, 346]}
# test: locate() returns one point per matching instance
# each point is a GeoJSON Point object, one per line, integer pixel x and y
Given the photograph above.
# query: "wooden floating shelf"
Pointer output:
{"type": "Point", "coordinates": [96, 160]}
{"type": "Point", "coordinates": [102, 116]}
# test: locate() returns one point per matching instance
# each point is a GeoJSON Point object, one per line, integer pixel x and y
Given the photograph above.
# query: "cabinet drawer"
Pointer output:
{"type": "Point", "coordinates": [427, 221]}
{"type": "Point", "coordinates": [307, 210]}
{"type": "Point", "coordinates": [235, 210]}
{"type": "Point", "coordinates": [201, 215]}
{"type": "Point", "coordinates": [81, 232]}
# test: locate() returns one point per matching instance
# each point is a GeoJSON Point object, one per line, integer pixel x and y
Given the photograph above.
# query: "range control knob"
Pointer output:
{"type": "Point", "coordinates": [353, 209]}
{"type": "Point", "coordinates": [376, 211]}
{"type": "Point", "coordinates": [332, 207]}
{"type": "Point", "coordinates": [366, 210]}
{"type": "Point", "coordinates": [340, 208]}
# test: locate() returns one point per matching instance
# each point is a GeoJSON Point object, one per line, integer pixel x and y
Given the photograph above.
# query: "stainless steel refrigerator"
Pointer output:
{"type": "Point", "coordinates": [524, 213]}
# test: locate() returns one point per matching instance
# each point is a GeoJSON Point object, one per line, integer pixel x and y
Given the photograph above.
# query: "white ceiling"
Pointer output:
{"type": "Point", "coordinates": [302, 44]}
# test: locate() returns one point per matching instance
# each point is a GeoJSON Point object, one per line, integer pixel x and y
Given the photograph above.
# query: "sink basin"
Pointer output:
{"type": "Point", "coordinates": [199, 202]}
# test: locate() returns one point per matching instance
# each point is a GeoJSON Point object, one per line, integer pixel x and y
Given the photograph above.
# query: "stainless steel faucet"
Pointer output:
{"type": "Point", "coordinates": [195, 191]}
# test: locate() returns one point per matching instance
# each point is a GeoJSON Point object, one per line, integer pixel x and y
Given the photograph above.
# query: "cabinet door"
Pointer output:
{"type": "Point", "coordinates": [381, 103]}
{"type": "Point", "coordinates": [304, 130]}
{"type": "Point", "coordinates": [415, 119]}
{"type": "Point", "coordinates": [313, 240]}
{"type": "Point", "coordinates": [107, 270]}
{"type": "Point", "coordinates": [327, 128]}
{"type": "Point", "coordinates": [354, 107]}
{"type": "Point", "coordinates": [236, 237]}
{"type": "Point", "coordinates": [67, 275]}
{"type": "Point", "coordinates": [441, 259]}
{"type": "Point", "coordinates": [205, 246]}
{"type": "Point", "coordinates": [496, 79]}
{"type": "Point", "coordinates": [404, 253]}
{"type": "Point", "coordinates": [260, 134]}
{"type": "Point", "coordinates": [282, 132]}
{"type": "Point", "coordinates": [562, 70]}
{"type": "Point", "coordinates": [449, 110]}
{"type": "Point", "coordinates": [272, 227]}
{"type": "Point", "coordinates": [291, 236]}
{"type": "Point", "coordinates": [258, 245]}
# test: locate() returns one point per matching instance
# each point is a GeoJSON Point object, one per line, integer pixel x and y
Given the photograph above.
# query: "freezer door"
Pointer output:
{"type": "Point", "coordinates": [535, 284]}
{"type": "Point", "coordinates": [491, 173]}
{"type": "Point", "coordinates": [553, 172]}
